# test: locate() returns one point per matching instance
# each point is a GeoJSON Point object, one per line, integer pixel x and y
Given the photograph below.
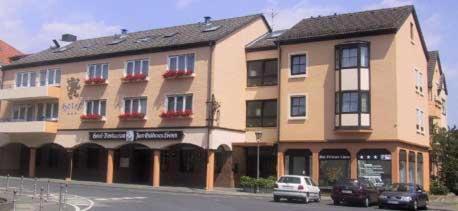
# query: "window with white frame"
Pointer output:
{"type": "Point", "coordinates": [50, 77]}
{"type": "Point", "coordinates": [136, 67]}
{"type": "Point", "coordinates": [420, 121]}
{"type": "Point", "coordinates": [23, 113]}
{"type": "Point", "coordinates": [26, 79]}
{"type": "Point", "coordinates": [298, 106]}
{"type": "Point", "coordinates": [97, 71]}
{"type": "Point", "coordinates": [298, 65]}
{"type": "Point", "coordinates": [418, 81]}
{"type": "Point", "coordinates": [96, 107]}
{"type": "Point", "coordinates": [176, 103]}
{"type": "Point", "coordinates": [47, 111]}
{"type": "Point", "coordinates": [135, 105]}
{"type": "Point", "coordinates": [184, 62]}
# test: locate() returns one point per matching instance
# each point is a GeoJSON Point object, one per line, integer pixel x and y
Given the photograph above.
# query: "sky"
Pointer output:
{"type": "Point", "coordinates": [30, 25]}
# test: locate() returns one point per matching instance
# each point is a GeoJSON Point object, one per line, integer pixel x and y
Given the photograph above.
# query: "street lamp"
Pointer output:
{"type": "Point", "coordinates": [258, 140]}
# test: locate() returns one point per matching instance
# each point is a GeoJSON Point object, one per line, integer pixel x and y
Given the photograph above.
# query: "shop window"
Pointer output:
{"type": "Point", "coordinates": [164, 160]}
{"type": "Point", "coordinates": [92, 161]}
{"type": "Point", "coordinates": [267, 162]}
{"type": "Point", "coordinates": [187, 158]}
{"type": "Point", "coordinates": [334, 166]}
{"type": "Point", "coordinates": [53, 157]}
{"type": "Point", "coordinates": [402, 166]}
{"type": "Point", "coordinates": [298, 162]}
{"type": "Point", "coordinates": [420, 168]}
{"type": "Point", "coordinates": [375, 165]}
{"type": "Point", "coordinates": [412, 158]}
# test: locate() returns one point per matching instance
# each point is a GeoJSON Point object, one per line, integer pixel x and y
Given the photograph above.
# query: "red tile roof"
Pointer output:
{"type": "Point", "coordinates": [6, 52]}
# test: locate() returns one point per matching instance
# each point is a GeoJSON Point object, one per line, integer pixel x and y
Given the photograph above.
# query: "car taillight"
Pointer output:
{"type": "Point", "coordinates": [300, 187]}
{"type": "Point", "coordinates": [276, 185]}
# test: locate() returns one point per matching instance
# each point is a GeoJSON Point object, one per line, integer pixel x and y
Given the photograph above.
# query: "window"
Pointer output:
{"type": "Point", "coordinates": [96, 107]}
{"type": "Point", "coordinates": [365, 102]}
{"type": "Point", "coordinates": [261, 113]}
{"type": "Point", "coordinates": [47, 111]}
{"type": "Point", "coordinates": [97, 71]}
{"type": "Point", "coordinates": [298, 65]}
{"type": "Point", "coordinates": [420, 168]}
{"type": "Point", "coordinates": [135, 105]}
{"type": "Point", "coordinates": [136, 67]}
{"type": "Point", "coordinates": [402, 166]}
{"type": "Point", "coordinates": [349, 57]}
{"type": "Point", "coordinates": [183, 62]}
{"type": "Point", "coordinates": [350, 101]}
{"type": "Point", "coordinates": [411, 31]}
{"type": "Point", "coordinates": [179, 103]}
{"type": "Point", "coordinates": [418, 81]}
{"type": "Point", "coordinates": [298, 106]}
{"type": "Point", "coordinates": [420, 121]}
{"type": "Point", "coordinates": [262, 73]}
{"type": "Point", "coordinates": [412, 169]}
{"type": "Point", "coordinates": [444, 107]}
{"type": "Point", "coordinates": [23, 113]}
{"type": "Point", "coordinates": [26, 79]}
{"type": "Point", "coordinates": [50, 77]}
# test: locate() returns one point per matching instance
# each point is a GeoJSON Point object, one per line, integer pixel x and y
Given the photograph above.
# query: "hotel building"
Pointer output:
{"type": "Point", "coordinates": [332, 97]}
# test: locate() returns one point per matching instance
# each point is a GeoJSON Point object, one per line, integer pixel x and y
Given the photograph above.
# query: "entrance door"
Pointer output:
{"type": "Point", "coordinates": [298, 162]}
{"type": "Point", "coordinates": [141, 161]}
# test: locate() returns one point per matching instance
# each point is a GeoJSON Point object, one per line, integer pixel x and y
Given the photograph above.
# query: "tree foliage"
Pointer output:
{"type": "Point", "coordinates": [445, 155]}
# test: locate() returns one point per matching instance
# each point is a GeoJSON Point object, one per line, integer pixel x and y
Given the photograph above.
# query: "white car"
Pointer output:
{"type": "Point", "coordinates": [296, 187]}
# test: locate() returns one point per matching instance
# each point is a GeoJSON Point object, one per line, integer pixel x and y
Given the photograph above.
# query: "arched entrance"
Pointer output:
{"type": "Point", "coordinates": [183, 165]}
{"type": "Point", "coordinates": [14, 159]}
{"type": "Point", "coordinates": [89, 162]}
{"type": "Point", "coordinates": [334, 166]}
{"type": "Point", "coordinates": [133, 164]}
{"type": "Point", "coordinates": [51, 161]}
{"type": "Point", "coordinates": [224, 176]}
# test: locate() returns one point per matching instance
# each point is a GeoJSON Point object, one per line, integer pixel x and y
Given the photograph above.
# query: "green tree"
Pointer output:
{"type": "Point", "coordinates": [445, 155]}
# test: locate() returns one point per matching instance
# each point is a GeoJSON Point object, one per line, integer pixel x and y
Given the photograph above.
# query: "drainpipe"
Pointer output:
{"type": "Point", "coordinates": [278, 94]}
{"type": "Point", "coordinates": [209, 95]}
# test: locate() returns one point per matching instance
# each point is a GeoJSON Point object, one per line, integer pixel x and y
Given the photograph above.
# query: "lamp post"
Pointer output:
{"type": "Point", "coordinates": [258, 140]}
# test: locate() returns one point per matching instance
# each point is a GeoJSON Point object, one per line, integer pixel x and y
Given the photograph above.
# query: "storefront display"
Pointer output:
{"type": "Point", "coordinates": [298, 162]}
{"type": "Point", "coordinates": [402, 166]}
{"type": "Point", "coordinates": [334, 166]}
{"type": "Point", "coordinates": [375, 165]}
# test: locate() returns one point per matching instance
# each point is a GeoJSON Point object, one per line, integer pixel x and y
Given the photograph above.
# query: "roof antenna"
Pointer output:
{"type": "Point", "coordinates": [272, 17]}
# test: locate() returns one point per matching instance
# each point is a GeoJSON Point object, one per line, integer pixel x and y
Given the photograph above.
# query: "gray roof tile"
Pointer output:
{"type": "Point", "coordinates": [185, 35]}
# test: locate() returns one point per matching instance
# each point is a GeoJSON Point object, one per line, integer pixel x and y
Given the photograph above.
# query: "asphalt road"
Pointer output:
{"type": "Point", "coordinates": [104, 198]}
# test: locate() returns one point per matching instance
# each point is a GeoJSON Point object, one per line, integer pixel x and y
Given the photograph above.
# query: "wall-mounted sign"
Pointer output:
{"type": "Point", "coordinates": [374, 157]}
{"type": "Point", "coordinates": [334, 157]}
{"type": "Point", "coordinates": [132, 135]}
{"type": "Point", "coordinates": [334, 154]}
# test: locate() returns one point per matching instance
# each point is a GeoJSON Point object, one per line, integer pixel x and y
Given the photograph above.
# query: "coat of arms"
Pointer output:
{"type": "Point", "coordinates": [73, 85]}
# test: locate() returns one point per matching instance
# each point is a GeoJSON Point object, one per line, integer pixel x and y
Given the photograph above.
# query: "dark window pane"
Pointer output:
{"type": "Point", "coordinates": [127, 106]}
{"type": "Point", "coordinates": [298, 63]}
{"type": "Point", "coordinates": [173, 63]}
{"type": "Point", "coordinates": [269, 118]}
{"type": "Point", "coordinates": [181, 62]}
{"type": "Point", "coordinates": [180, 100]}
{"type": "Point", "coordinates": [130, 68]}
{"type": "Point", "coordinates": [89, 107]}
{"type": "Point", "coordinates": [103, 108]}
{"type": "Point", "coordinates": [145, 66]}
{"type": "Point", "coordinates": [137, 66]}
{"type": "Point", "coordinates": [190, 62]}
{"type": "Point", "coordinates": [171, 104]}
{"type": "Point", "coordinates": [254, 114]}
{"type": "Point", "coordinates": [298, 106]}
{"type": "Point", "coordinates": [364, 56]}
{"type": "Point", "coordinates": [105, 71]}
{"type": "Point", "coordinates": [349, 57]}
{"type": "Point", "coordinates": [188, 102]}
{"type": "Point", "coordinates": [254, 73]}
{"type": "Point", "coordinates": [270, 73]}
{"type": "Point", "coordinates": [350, 102]}
{"type": "Point", "coordinates": [365, 102]}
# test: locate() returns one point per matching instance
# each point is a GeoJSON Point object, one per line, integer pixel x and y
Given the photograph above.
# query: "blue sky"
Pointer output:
{"type": "Point", "coordinates": [30, 25]}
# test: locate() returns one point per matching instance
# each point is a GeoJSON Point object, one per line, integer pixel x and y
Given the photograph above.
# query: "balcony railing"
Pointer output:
{"type": "Point", "coordinates": [12, 93]}
{"type": "Point", "coordinates": [8, 126]}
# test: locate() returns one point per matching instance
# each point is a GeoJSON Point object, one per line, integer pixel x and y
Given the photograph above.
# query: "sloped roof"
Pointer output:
{"type": "Point", "coordinates": [139, 42]}
{"type": "Point", "coordinates": [387, 20]}
{"type": "Point", "coordinates": [432, 61]}
{"type": "Point", "coordinates": [265, 42]}
{"type": "Point", "coordinates": [6, 52]}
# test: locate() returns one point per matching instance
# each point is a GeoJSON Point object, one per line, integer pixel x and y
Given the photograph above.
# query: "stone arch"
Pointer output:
{"type": "Point", "coordinates": [51, 161]}
{"type": "Point", "coordinates": [15, 159]}
{"type": "Point", "coordinates": [224, 175]}
{"type": "Point", "coordinates": [89, 162]}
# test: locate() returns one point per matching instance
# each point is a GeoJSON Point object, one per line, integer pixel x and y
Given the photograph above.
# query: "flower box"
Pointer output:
{"type": "Point", "coordinates": [134, 78]}
{"type": "Point", "coordinates": [91, 117]}
{"type": "Point", "coordinates": [95, 81]}
{"type": "Point", "coordinates": [132, 116]}
{"type": "Point", "coordinates": [176, 114]}
{"type": "Point", "coordinates": [177, 73]}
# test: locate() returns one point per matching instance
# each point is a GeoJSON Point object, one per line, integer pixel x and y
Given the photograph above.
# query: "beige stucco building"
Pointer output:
{"type": "Point", "coordinates": [182, 105]}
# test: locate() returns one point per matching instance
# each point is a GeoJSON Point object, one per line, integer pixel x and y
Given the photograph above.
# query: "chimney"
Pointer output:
{"type": "Point", "coordinates": [69, 38]}
{"type": "Point", "coordinates": [207, 19]}
{"type": "Point", "coordinates": [123, 32]}
{"type": "Point", "coordinates": [56, 44]}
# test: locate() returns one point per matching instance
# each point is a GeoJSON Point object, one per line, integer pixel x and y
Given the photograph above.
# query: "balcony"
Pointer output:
{"type": "Point", "coordinates": [28, 127]}
{"type": "Point", "coordinates": [30, 93]}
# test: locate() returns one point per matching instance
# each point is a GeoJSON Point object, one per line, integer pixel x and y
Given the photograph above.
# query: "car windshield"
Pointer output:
{"type": "Point", "coordinates": [294, 180]}
{"type": "Point", "coordinates": [399, 187]}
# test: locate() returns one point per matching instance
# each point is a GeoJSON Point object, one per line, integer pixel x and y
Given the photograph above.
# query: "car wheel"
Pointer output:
{"type": "Point", "coordinates": [415, 205]}
{"type": "Point", "coordinates": [306, 200]}
{"type": "Point", "coordinates": [380, 206]}
{"type": "Point", "coordinates": [366, 202]}
{"type": "Point", "coordinates": [276, 198]}
{"type": "Point", "coordinates": [336, 202]}
{"type": "Point", "coordinates": [289, 199]}
{"type": "Point", "coordinates": [319, 198]}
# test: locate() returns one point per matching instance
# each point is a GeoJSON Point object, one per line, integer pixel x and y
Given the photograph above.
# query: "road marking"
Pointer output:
{"type": "Point", "coordinates": [119, 198]}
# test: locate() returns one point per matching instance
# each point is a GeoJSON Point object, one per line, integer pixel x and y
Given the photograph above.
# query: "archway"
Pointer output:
{"type": "Point", "coordinates": [183, 165]}
{"type": "Point", "coordinates": [51, 161]}
{"type": "Point", "coordinates": [133, 164]}
{"type": "Point", "coordinates": [15, 159]}
{"type": "Point", "coordinates": [89, 162]}
{"type": "Point", "coordinates": [224, 176]}
{"type": "Point", "coordinates": [334, 166]}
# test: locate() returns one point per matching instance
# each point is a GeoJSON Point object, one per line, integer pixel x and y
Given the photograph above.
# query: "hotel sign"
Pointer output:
{"type": "Point", "coordinates": [132, 135]}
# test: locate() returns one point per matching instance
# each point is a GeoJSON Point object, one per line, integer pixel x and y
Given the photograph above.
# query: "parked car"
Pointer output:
{"type": "Point", "coordinates": [404, 195]}
{"type": "Point", "coordinates": [351, 191]}
{"type": "Point", "coordinates": [296, 187]}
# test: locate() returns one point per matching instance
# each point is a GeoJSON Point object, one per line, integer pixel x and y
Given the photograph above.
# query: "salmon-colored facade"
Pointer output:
{"type": "Point", "coordinates": [203, 128]}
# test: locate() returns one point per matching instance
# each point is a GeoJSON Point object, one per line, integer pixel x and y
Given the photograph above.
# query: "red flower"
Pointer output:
{"type": "Point", "coordinates": [181, 72]}
{"type": "Point", "coordinates": [91, 117]}
{"type": "Point", "coordinates": [135, 77]}
{"type": "Point", "coordinates": [133, 115]}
